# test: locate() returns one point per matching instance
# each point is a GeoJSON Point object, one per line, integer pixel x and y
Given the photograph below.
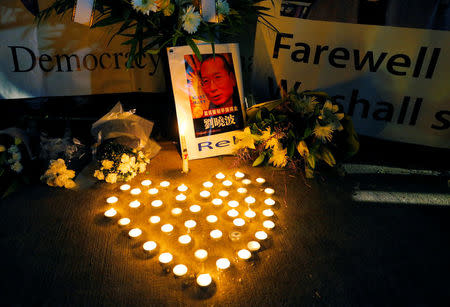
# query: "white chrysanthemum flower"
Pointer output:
{"type": "Point", "coordinates": [145, 6]}
{"type": "Point", "coordinates": [222, 9]}
{"type": "Point", "coordinates": [191, 20]}
{"type": "Point", "coordinates": [13, 149]}
{"type": "Point", "coordinates": [324, 133]}
{"type": "Point", "coordinates": [17, 167]}
{"type": "Point", "coordinates": [278, 158]}
{"type": "Point", "coordinates": [16, 156]}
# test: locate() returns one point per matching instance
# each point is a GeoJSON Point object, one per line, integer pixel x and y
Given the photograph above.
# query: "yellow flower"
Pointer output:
{"type": "Point", "coordinates": [2, 148]}
{"type": "Point", "coordinates": [111, 178]}
{"type": "Point", "coordinates": [57, 166]}
{"type": "Point", "coordinates": [303, 149]}
{"type": "Point", "coordinates": [124, 167]}
{"type": "Point", "coordinates": [142, 167]}
{"type": "Point", "coordinates": [125, 158]}
{"type": "Point", "coordinates": [272, 142]}
{"type": "Point", "coordinates": [99, 175]}
{"type": "Point", "coordinates": [278, 158]}
{"type": "Point", "coordinates": [17, 167]}
{"type": "Point", "coordinates": [266, 134]}
{"type": "Point", "coordinates": [107, 164]}
{"type": "Point", "coordinates": [245, 139]}
{"type": "Point", "coordinates": [69, 184]}
{"type": "Point", "coordinates": [324, 133]}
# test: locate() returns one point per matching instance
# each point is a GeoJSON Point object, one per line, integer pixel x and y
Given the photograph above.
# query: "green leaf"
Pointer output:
{"type": "Point", "coordinates": [311, 160]}
{"type": "Point", "coordinates": [291, 134]}
{"type": "Point", "coordinates": [194, 48]}
{"type": "Point", "coordinates": [259, 160]}
{"type": "Point", "coordinates": [291, 149]}
{"type": "Point", "coordinates": [259, 116]}
{"type": "Point", "coordinates": [327, 156]}
{"type": "Point", "coordinates": [108, 21]}
{"type": "Point", "coordinates": [309, 172]}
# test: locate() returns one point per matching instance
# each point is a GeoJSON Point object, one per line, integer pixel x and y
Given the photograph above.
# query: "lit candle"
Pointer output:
{"type": "Point", "coordinates": [250, 200]}
{"type": "Point", "coordinates": [261, 235]}
{"type": "Point", "coordinates": [185, 239]}
{"type": "Point", "coordinates": [205, 194]}
{"type": "Point", "coordinates": [125, 187]}
{"type": "Point", "coordinates": [208, 184]}
{"type": "Point", "coordinates": [124, 221]}
{"type": "Point", "coordinates": [215, 234]}
{"type": "Point", "coordinates": [180, 197]}
{"type": "Point", "coordinates": [268, 224]}
{"type": "Point", "coordinates": [195, 208]}
{"type": "Point", "coordinates": [227, 183]}
{"type": "Point", "coordinates": [268, 212]}
{"type": "Point", "coordinates": [184, 151]}
{"type": "Point", "coordinates": [224, 193]}
{"type": "Point", "coordinates": [239, 175]}
{"type": "Point", "coordinates": [246, 181]}
{"type": "Point", "coordinates": [244, 254]}
{"type": "Point", "coordinates": [223, 263]}
{"type": "Point", "coordinates": [233, 203]}
{"type": "Point", "coordinates": [112, 200]}
{"type": "Point", "coordinates": [239, 222]}
{"type": "Point", "coordinates": [153, 191]}
{"type": "Point", "coordinates": [232, 213]}
{"type": "Point", "coordinates": [157, 203]}
{"type": "Point", "coordinates": [201, 254]}
{"type": "Point", "coordinates": [241, 190]}
{"type": "Point", "coordinates": [269, 202]}
{"type": "Point", "coordinates": [166, 228]}
{"type": "Point", "coordinates": [204, 280]}
{"type": "Point", "coordinates": [134, 204]}
{"type": "Point", "coordinates": [154, 219]}
{"type": "Point", "coordinates": [110, 213]}
{"type": "Point", "coordinates": [176, 211]}
{"type": "Point", "coordinates": [180, 270]}
{"type": "Point", "coordinates": [211, 218]}
{"type": "Point", "coordinates": [149, 246]}
{"type": "Point", "coordinates": [250, 213]}
{"type": "Point", "coordinates": [135, 191]}
{"type": "Point", "coordinates": [260, 180]}
{"type": "Point", "coordinates": [165, 258]}
{"type": "Point", "coordinates": [217, 201]}
{"type": "Point", "coordinates": [253, 246]}
{"type": "Point", "coordinates": [135, 232]}
{"type": "Point", "coordinates": [146, 182]}
{"type": "Point", "coordinates": [182, 188]}
{"type": "Point", "coordinates": [269, 191]}
{"type": "Point", "coordinates": [190, 224]}
{"type": "Point", "coordinates": [164, 184]}
{"type": "Point", "coordinates": [220, 176]}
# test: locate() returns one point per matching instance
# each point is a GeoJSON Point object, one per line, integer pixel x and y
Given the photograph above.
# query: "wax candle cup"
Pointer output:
{"type": "Point", "coordinates": [217, 201]}
{"type": "Point", "coordinates": [146, 182]}
{"type": "Point", "coordinates": [261, 235]}
{"type": "Point", "coordinates": [201, 254]}
{"type": "Point", "coordinates": [224, 193]}
{"type": "Point", "coordinates": [235, 236]}
{"type": "Point", "coordinates": [269, 191]}
{"type": "Point", "coordinates": [268, 212]}
{"type": "Point", "coordinates": [124, 221]}
{"type": "Point", "coordinates": [239, 222]}
{"type": "Point", "coordinates": [180, 197]}
{"type": "Point", "coordinates": [223, 263]}
{"type": "Point", "coordinates": [135, 232]}
{"type": "Point", "coordinates": [268, 224]}
{"type": "Point", "coordinates": [180, 270]}
{"type": "Point", "coordinates": [232, 213]}
{"type": "Point", "coordinates": [164, 184]}
{"type": "Point", "coordinates": [134, 204]}
{"type": "Point", "coordinates": [242, 190]}
{"type": "Point", "coordinates": [190, 224]}
{"type": "Point", "coordinates": [153, 191]}
{"type": "Point", "coordinates": [233, 203]}
{"type": "Point", "coordinates": [269, 202]}
{"type": "Point", "coordinates": [195, 208]}
{"type": "Point", "coordinates": [154, 219]}
{"type": "Point", "coordinates": [211, 219]}
{"type": "Point", "coordinates": [182, 188]}
{"type": "Point", "coordinates": [125, 187]}
{"type": "Point", "coordinates": [260, 180]}
{"type": "Point", "coordinates": [208, 184]}
{"type": "Point", "coordinates": [227, 183]}
{"type": "Point", "coordinates": [220, 176]}
{"type": "Point", "coordinates": [246, 181]}
{"type": "Point", "coordinates": [166, 228]}
{"type": "Point", "coordinates": [110, 212]}
{"type": "Point", "coordinates": [250, 200]}
{"type": "Point", "coordinates": [205, 194]}
{"type": "Point", "coordinates": [165, 258]}
{"type": "Point", "coordinates": [112, 200]}
{"type": "Point", "coordinates": [215, 234]}
{"type": "Point", "coordinates": [244, 254]}
{"type": "Point", "coordinates": [135, 191]}
{"type": "Point", "coordinates": [253, 246]}
{"type": "Point", "coordinates": [185, 239]}
{"type": "Point", "coordinates": [149, 246]}
{"type": "Point", "coordinates": [239, 175]}
{"type": "Point", "coordinates": [250, 213]}
{"type": "Point", "coordinates": [157, 203]}
{"type": "Point", "coordinates": [176, 211]}
{"type": "Point", "coordinates": [204, 280]}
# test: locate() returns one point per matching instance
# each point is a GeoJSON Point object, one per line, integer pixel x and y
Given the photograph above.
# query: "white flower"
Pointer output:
{"type": "Point", "coordinates": [13, 149]}
{"type": "Point", "coordinates": [279, 158]}
{"type": "Point", "coordinates": [111, 178]}
{"type": "Point", "coordinates": [107, 164]}
{"type": "Point", "coordinates": [191, 20]}
{"type": "Point", "coordinates": [16, 156]}
{"type": "Point", "coordinates": [125, 158]}
{"type": "Point", "coordinates": [145, 6]}
{"type": "Point", "coordinates": [324, 133]}
{"type": "Point", "coordinates": [17, 167]}
{"type": "Point", "coordinates": [223, 9]}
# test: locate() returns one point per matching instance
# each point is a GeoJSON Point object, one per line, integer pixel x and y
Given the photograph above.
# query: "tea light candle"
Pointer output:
{"type": "Point", "coordinates": [215, 234]}
{"type": "Point", "coordinates": [269, 201]}
{"type": "Point", "coordinates": [134, 204]}
{"type": "Point", "coordinates": [157, 203]}
{"type": "Point", "coordinates": [260, 180]}
{"type": "Point", "coordinates": [180, 197]}
{"type": "Point", "coordinates": [250, 213]}
{"type": "Point", "coordinates": [135, 232]}
{"type": "Point", "coordinates": [190, 224]}
{"type": "Point", "coordinates": [233, 203]}
{"type": "Point", "coordinates": [261, 235]}
{"type": "Point", "coordinates": [165, 258]}
{"type": "Point", "coordinates": [208, 184]}
{"type": "Point", "coordinates": [182, 188]}
{"type": "Point", "coordinates": [111, 212]}
{"type": "Point", "coordinates": [217, 201]}
{"type": "Point", "coordinates": [176, 211]}
{"type": "Point", "coordinates": [211, 218]}
{"type": "Point", "coordinates": [164, 184]}
{"type": "Point", "coordinates": [250, 200]}
{"type": "Point", "coordinates": [146, 182]}
{"type": "Point", "coordinates": [153, 191]}
{"type": "Point", "coordinates": [204, 280]}
{"type": "Point", "coordinates": [227, 183]}
{"type": "Point", "coordinates": [246, 181]}
{"type": "Point", "coordinates": [125, 187]}
{"type": "Point", "coordinates": [149, 246]}
{"type": "Point", "coordinates": [239, 222]}
{"type": "Point", "coordinates": [232, 213]}
{"type": "Point", "coordinates": [135, 191]}
{"type": "Point", "coordinates": [166, 228]}
{"type": "Point", "coordinates": [224, 193]}
{"type": "Point", "coordinates": [205, 194]}
{"type": "Point", "coordinates": [242, 190]}
{"type": "Point", "coordinates": [185, 239]}
{"type": "Point", "coordinates": [239, 175]}
{"type": "Point", "coordinates": [195, 208]}
{"type": "Point", "coordinates": [244, 254]}
{"type": "Point", "coordinates": [269, 191]}
{"type": "Point", "coordinates": [201, 254]}
{"type": "Point", "coordinates": [253, 246]}
{"type": "Point", "coordinates": [124, 221]}
{"type": "Point", "coordinates": [268, 212]}
{"type": "Point", "coordinates": [268, 224]}
{"type": "Point", "coordinates": [220, 176]}
{"type": "Point", "coordinates": [222, 263]}
{"type": "Point", "coordinates": [180, 270]}
{"type": "Point", "coordinates": [154, 219]}
{"type": "Point", "coordinates": [112, 200]}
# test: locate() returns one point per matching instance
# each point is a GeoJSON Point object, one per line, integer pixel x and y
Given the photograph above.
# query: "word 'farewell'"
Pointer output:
{"type": "Point", "coordinates": [397, 64]}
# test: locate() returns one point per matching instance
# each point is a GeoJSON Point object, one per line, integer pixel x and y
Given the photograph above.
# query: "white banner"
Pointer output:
{"type": "Point", "coordinates": [64, 58]}
{"type": "Point", "coordinates": [393, 81]}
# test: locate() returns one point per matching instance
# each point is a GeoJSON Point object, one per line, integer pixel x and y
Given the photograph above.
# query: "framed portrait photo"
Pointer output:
{"type": "Point", "coordinates": [208, 97]}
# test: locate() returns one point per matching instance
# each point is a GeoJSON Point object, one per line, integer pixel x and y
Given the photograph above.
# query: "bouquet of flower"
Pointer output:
{"type": "Point", "coordinates": [57, 175]}
{"type": "Point", "coordinates": [299, 130]}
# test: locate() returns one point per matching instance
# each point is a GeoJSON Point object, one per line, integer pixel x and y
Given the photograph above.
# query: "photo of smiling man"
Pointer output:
{"type": "Point", "coordinates": [213, 94]}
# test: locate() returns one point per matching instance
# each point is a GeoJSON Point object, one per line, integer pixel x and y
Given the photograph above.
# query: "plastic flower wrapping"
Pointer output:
{"type": "Point", "coordinates": [298, 131]}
